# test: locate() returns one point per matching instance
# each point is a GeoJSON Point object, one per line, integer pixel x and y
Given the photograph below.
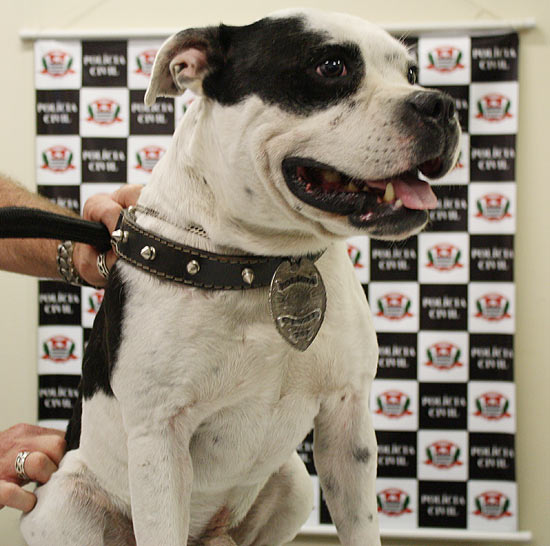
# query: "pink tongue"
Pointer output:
{"type": "Point", "coordinates": [415, 194]}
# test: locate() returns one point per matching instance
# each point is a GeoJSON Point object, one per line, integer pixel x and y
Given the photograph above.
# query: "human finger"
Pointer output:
{"type": "Point", "coordinates": [85, 261]}
{"type": "Point", "coordinates": [14, 496]}
{"type": "Point", "coordinates": [52, 445]}
{"type": "Point", "coordinates": [105, 208]}
{"type": "Point", "coordinates": [39, 467]}
{"type": "Point", "coordinates": [127, 195]}
{"type": "Point", "coordinates": [101, 207]}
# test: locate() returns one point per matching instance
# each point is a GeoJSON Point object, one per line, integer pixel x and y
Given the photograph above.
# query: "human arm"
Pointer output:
{"type": "Point", "coordinates": [28, 256]}
{"type": "Point", "coordinates": [38, 256]}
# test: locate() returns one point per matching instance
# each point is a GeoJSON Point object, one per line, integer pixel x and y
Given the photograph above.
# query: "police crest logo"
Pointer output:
{"type": "Point", "coordinates": [393, 502]}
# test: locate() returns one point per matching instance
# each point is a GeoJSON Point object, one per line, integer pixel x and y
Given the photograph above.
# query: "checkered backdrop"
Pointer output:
{"type": "Point", "coordinates": [443, 302]}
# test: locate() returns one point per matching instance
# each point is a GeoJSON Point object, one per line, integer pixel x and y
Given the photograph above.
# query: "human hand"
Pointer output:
{"type": "Point", "coordinates": [46, 448]}
{"type": "Point", "coordinates": [105, 208]}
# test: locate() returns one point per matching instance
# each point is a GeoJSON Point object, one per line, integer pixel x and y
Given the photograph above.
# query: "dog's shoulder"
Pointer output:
{"type": "Point", "coordinates": [101, 352]}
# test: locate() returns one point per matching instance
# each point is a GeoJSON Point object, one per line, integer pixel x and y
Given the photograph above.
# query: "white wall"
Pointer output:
{"type": "Point", "coordinates": [18, 295]}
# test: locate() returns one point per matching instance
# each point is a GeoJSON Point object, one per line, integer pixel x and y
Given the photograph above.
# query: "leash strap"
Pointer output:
{"type": "Point", "coordinates": [30, 223]}
{"type": "Point", "coordinates": [187, 265]}
{"type": "Point", "coordinates": [145, 250]}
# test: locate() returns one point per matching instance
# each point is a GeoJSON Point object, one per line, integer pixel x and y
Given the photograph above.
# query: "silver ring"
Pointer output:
{"type": "Point", "coordinates": [20, 465]}
{"type": "Point", "coordinates": [102, 265]}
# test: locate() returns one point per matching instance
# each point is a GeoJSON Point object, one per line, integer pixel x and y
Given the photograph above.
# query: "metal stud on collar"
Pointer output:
{"type": "Point", "coordinates": [247, 275]}
{"type": "Point", "coordinates": [148, 253]}
{"type": "Point", "coordinates": [193, 267]}
{"type": "Point", "coordinates": [119, 236]}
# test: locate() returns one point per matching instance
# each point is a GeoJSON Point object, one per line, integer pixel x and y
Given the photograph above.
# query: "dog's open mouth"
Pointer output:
{"type": "Point", "coordinates": [363, 201]}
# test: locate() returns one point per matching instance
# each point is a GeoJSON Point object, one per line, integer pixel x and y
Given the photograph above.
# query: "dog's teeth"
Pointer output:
{"type": "Point", "coordinates": [389, 194]}
{"type": "Point", "coordinates": [398, 203]}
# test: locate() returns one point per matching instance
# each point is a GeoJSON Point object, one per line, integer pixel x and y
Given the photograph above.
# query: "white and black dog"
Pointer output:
{"type": "Point", "coordinates": [308, 128]}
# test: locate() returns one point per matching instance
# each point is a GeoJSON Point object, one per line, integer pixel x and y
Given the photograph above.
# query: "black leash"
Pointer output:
{"type": "Point", "coordinates": [30, 223]}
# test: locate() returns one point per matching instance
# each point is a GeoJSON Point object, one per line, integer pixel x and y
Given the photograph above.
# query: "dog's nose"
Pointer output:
{"type": "Point", "coordinates": [433, 105]}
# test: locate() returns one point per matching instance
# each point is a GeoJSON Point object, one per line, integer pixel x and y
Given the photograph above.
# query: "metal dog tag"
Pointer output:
{"type": "Point", "coordinates": [298, 301]}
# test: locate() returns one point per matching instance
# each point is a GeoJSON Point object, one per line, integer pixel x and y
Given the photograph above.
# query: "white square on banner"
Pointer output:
{"type": "Point", "coordinates": [492, 207]}
{"type": "Point", "coordinates": [57, 65]}
{"type": "Point", "coordinates": [442, 455]}
{"type": "Point", "coordinates": [91, 301]}
{"type": "Point", "coordinates": [141, 56]}
{"type": "Point", "coordinates": [491, 406]}
{"type": "Point", "coordinates": [444, 61]}
{"type": "Point", "coordinates": [358, 251]}
{"type": "Point", "coordinates": [491, 307]}
{"type": "Point", "coordinates": [104, 112]}
{"type": "Point", "coordinates": [58, 160]}
{"type": "Point", "coordinates": [494, 108]}
{"type": "Point", "coordinates": [87, 190]}
{"type": "Point", "coordinates": [58, 424]}
{"type": "Point", "coordinates": [394, 306]}
{"type": "Point", "coordinates": [397, 500]}
{"type": "Point", "coordinates": [315, 516]}
{"type": "Point", "coordinates": [394, 404]}
{"type": "Point", "coordinates": [492, 506]}
{"type": "Point", "coordinates": [443, 258]}
{"type": "Point", "coordinates": [60, 350]}
{"type": "Point", "coordinates": [443, 357]}
{"type": "Point", "coordinates": [144, 153]}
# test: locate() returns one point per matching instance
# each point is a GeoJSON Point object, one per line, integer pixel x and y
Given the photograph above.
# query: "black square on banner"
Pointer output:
{"type": "Point", "coordinates": [305, 450]}
{"type": "Point", "coordinates": [492, 258]}
{"type": "Point", "coordinates": [495, 58]}
{"type": "Point", "coordinates": [157, 119]}
{"type": "Point", "coordinates": [67, 197]}
{"type": "Point", "coordinates": [442, 504]}
{"type": "Point", "coordinates": [104, 159]}
{"type": "Point", "coordinates": [491, 357]}
{"type": "Point", "coordinates": [451, 213]}
{"type": "Point", "coordinates": [104, 64]}
{"type": "Point", "coordinates": [394, 260]}
{"type": "Point", "coordinates": [59, 303]}
{"type": "Point", "coordinates": [492, 158]}
{"type": "Point", "coordinates": [443, 307]}
{"type": "Point", "coordinates": [57, 112]}
{"type": "Point", "coordinates": [396, 454]}
{"type": "Point", "coordinates": [460, 94]}
{"type": "Point", "coordinates": [443, 406]}
{"type": "Point", "coordinates": [86, 333]}
{"type": "Point", "coordinates": [397, 356]}
{"type": "Point", "coordinates": [492, 456]}
{"type": "Point", "coordinates": [57, 395]}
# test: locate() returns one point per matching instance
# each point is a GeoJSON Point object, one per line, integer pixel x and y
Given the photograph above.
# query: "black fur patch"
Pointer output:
{"type": "Point", "coordinates": [276, 59]}
{"type": "Point", "coordinates": [361, 454]}
{"type": "Point", "coordinates": [100, 355]}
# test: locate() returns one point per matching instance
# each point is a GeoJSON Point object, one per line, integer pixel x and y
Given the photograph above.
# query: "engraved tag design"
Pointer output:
{"type": "Point", "coordinates": [298, 301]}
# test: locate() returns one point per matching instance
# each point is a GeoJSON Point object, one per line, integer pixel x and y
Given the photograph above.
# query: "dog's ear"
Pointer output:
{"type": "Point", "coordinates": [182, 63]}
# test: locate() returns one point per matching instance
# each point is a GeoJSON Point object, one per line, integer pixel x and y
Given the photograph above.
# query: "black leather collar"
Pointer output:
{"type": "Point", "coordinates": [182, 264]}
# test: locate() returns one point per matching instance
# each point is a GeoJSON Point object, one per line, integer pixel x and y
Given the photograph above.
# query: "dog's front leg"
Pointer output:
{"type": "Point", "coordinates": [345, 457]}
{"type": "Point", "coordinates": [160, 475]}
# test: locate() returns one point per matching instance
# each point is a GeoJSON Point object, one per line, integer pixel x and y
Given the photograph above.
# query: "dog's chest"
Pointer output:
{"type": "Point", "coordinates": [220, 353]}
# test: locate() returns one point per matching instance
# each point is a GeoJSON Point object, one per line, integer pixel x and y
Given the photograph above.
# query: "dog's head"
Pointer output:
{"type": "Point", "coordinates": [316, 123]}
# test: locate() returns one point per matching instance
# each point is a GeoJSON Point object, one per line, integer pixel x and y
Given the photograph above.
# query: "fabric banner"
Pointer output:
{"type": "Point", "coordinates": [443, 402]}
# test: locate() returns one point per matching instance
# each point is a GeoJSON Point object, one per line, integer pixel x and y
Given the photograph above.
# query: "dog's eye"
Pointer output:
{"type": "Point", "coordinates": [412, 74]}
{"type": "Point", "coordinates": [332, 68]}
